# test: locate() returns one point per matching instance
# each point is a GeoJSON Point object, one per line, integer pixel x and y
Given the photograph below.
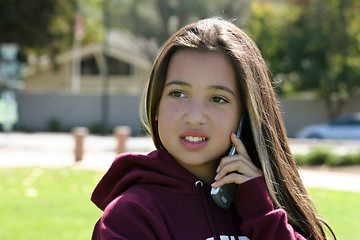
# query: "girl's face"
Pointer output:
{"type": "Point", "coordinates": [199, 109]}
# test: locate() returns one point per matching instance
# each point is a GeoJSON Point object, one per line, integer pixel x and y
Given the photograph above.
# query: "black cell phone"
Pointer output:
{"type": "Point", "coordinates": [224, 195]}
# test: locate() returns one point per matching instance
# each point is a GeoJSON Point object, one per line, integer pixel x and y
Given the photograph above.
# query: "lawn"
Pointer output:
{"type": "Point", "coordinates": [43, 203]}
{"type": "Point", "coordinates": [340, 209]}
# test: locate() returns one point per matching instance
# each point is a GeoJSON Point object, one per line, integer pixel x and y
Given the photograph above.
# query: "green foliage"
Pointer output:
{"type": "Point", "coordinates": [157, 19]}
{"type": "Point", "coordinates": [97, 128]}
{"type": "Point", "coordinates": [322, 155]}
{"type": "Point", "coordinates": [92, 13]}
{"type": "Point", "coordinates": [18, 23]}
{"type": "Point", "coordinates": [265, 25]}
{"type": "Point", "coordinates": [47, 26]}
{"type": "Point", "coordinates": [316, 156]}
{"type": "Point", "coordinates": [42, 25]}
{"type": "Point", "coordinates": [54, 125]}
{"type": "Point", "coordinates": [350, 159]}
{"type": "Point", "coordinates": [311, 47]}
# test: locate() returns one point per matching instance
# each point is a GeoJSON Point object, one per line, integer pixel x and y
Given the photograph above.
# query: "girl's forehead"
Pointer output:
{"type": "Point", "coordinates": [193, 53]}
{"type": "Point", "coordinates": [201, 69]}
{"type": "Point", "coordinates": [197, 64]}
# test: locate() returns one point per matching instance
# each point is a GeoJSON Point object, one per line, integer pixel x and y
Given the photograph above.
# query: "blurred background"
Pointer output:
{"type": "Point", "coordinates": [85, 63]}
{"type": "Point", "coordinates": [82, 65]}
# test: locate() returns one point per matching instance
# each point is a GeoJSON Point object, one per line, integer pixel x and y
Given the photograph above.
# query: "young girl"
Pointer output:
{"type": "Point", "coordinates": [206, 76]}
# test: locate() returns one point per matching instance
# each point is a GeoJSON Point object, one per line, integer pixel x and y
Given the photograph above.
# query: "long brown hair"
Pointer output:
{"type": "Point", "coordinates": [266, 136]}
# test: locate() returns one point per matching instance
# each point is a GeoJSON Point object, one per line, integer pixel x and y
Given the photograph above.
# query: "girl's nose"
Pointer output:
{"type": "Point", "coordinates": [196, 115]}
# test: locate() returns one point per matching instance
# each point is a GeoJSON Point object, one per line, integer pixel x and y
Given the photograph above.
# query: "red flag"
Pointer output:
{"type": "Point", "coordinates": [79, 25]}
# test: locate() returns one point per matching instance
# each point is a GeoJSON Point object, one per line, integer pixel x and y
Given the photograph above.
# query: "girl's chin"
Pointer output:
{"type": "Point", "coordinates": [197, 158]}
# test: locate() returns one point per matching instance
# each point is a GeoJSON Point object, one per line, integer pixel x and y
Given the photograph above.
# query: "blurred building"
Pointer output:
{"type": "Point", "coordinates": [48, 101]}
{"type": "Point", "coordinates": [129, 61]}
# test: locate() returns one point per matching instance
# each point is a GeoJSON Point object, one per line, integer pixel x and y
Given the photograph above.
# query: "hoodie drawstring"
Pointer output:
{"type": "Point", "coordinates": [199, 184]}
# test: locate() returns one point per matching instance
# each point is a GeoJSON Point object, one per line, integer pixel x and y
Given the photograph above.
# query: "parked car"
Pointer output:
{"type": "Point", "coordinates": [344, 127]}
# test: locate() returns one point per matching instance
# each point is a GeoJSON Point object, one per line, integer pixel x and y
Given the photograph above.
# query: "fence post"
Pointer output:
{"type": "Point", "coordinates": [79, 135]}
{"type": "Point", "coordinates": [121, 133]}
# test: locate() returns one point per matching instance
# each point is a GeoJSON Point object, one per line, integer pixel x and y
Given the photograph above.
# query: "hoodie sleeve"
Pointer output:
{"type": "Point", "coordinates": [259, 218]}
{"type": "Point", "coordinates": [130, 217]}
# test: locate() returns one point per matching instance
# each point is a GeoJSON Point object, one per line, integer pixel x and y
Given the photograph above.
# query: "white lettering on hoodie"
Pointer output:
{"type": "Point", "coordinates": [223, 237]}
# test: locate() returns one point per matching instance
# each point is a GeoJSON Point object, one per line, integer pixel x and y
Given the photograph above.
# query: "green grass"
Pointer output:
{"type": "Point", "coordinates": [43, 203]}
{"type": "Point", "coordinates": [340, 209]}
{"type": "Point", "coordinates": [39, 203]}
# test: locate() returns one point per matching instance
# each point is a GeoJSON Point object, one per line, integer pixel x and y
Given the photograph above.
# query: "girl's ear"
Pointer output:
{"type": "Point", "coordinates": [156, 118]}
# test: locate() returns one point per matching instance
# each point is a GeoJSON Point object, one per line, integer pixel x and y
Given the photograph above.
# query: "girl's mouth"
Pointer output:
{"type": "Point", "coordinates": [193, 142]}
{"type": "Point", "coordinates": [193, 139]}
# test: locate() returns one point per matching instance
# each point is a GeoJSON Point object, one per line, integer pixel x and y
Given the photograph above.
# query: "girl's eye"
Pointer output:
{"type": "Point", "coordinates": [218, 99]}
{"type": "Point", "coordinates": [177, 94]}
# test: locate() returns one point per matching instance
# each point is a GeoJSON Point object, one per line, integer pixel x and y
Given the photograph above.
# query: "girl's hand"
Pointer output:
{"type": "Point", "coordinates": [237, 168]}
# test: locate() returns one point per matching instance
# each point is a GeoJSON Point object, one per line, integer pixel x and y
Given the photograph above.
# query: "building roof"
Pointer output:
{"type": "Point", "coordinates": [121, 45]}
{"type": "Point", "coordinates": [139, 46]}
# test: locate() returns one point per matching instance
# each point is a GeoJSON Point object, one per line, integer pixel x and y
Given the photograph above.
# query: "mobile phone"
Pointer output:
{"type": "Point", "coordinates": [224, 195]}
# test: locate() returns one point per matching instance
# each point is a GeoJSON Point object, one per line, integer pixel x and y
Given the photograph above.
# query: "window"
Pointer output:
{"type": "Point", "coordinates": [89, 67]}
{"type": "Point", "coordinates": [117, 67]}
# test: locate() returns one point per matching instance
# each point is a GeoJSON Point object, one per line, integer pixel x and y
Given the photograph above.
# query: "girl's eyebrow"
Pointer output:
{"type": "Point", "coordinates": [223, 88]}
{"type": "Point", "coordinates": [213, 87]}
{"type": "Point", "coordinates": [177, 82]}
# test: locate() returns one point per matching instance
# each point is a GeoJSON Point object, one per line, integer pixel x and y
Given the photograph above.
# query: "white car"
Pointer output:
{"type": "Point", "coordinates": [343, 127]}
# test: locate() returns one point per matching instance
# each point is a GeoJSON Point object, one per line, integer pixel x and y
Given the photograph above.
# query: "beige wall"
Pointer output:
{"type": "Point", "coordinates": [298, 113]}
{"type": "Point", "coordinates": [59, 80]}
{"type": "Point", "coordinates": [49, 78]}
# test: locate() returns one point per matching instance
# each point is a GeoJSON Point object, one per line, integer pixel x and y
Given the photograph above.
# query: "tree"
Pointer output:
{"type": "Point", "coordinates": [317, 47]}
{"type": "Point", "coordinates": [30, 24]}
{"type": "Point", "coordinates": [46, 26]}
{"type": "Point", "coordinates": [19, 24]}
{"type": "Point", "coordinates": [157, 19]}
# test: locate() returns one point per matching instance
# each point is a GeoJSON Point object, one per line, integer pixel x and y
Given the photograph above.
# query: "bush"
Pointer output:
{"type": "Point", "coordinates": [348, 159]}
{"type": "Point", "coordinates": [53, 125]}
{"type": "Point", "coordinates": [320, 156]}
{"type": "Point", "coordinates": [334, 160]}
{"type": "Point", "coordinates": [301, 159]}
{"type": "Point", "coordinates": [96, 128]}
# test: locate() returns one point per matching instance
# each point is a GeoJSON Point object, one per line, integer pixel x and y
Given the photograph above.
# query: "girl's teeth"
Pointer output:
{"type": "Point", "coordinates": [194, 139]}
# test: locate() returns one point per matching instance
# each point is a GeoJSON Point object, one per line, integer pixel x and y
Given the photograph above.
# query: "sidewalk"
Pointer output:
{"type": "Point", "coordinates": [57, 150]}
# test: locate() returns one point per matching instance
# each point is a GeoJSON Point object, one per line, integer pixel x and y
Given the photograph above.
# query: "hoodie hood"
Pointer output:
{"type": "Point", "coordinates": [158, 167]}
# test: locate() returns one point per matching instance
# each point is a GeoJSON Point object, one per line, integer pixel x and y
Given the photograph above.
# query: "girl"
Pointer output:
{"type": "Point", "coordinates": [206, 76]}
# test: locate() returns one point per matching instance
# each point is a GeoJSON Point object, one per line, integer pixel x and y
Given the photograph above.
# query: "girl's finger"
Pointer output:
{"type": "Point", "coordinates": [231, 178]}
{"type": "Point", "coordinates": [236, 163]}
{"type": "Point", "coordinates": [240, 147]}
{"type": "Point", "coordinates": [240, 166]}
{"type": "Point", "coordinates": [241, 152]}
{"type": "Point", "coordinates": [237, 168]}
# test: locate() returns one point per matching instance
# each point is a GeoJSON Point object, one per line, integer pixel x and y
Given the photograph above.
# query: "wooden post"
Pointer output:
{"type": "Point", "coordinates": [79, 135]}
{"type": "Point", "coordinates": [121, 133]}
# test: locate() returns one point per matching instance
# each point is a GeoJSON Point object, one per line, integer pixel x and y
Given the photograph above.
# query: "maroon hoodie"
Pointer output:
{"type": "Point", "coordinates": [153, 197]}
